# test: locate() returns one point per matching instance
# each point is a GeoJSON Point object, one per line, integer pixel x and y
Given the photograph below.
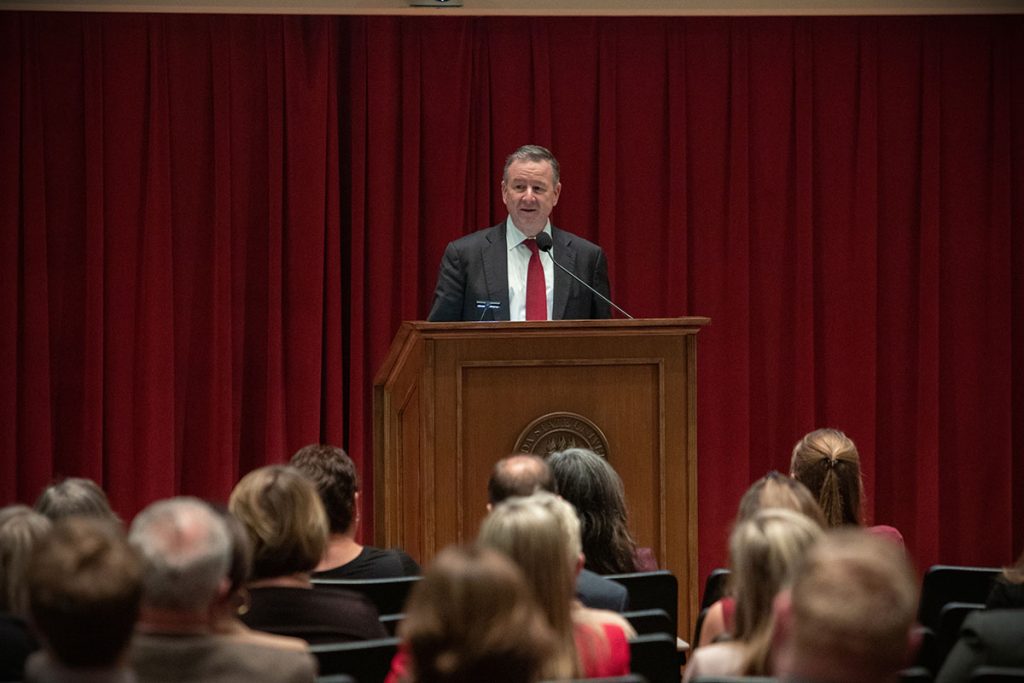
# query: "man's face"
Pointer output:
{"type": "Point", "coordinates": [529, 193]}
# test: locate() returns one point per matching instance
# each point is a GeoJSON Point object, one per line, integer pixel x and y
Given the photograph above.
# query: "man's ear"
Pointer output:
{"type": "Point", "coordinates": [580, 561]}
{"type": "Point", "coordinates": [489, 508]}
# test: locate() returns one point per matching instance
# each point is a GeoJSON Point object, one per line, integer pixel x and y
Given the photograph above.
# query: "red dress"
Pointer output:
{"type": "Point", "coordinates": [601, 656]}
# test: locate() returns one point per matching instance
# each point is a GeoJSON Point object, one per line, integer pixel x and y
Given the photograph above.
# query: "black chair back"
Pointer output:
{"type": "Point", "coordinates": [389, 595]}
{"type": "Point", "coordinates": [948, 583]}
{"type": "Point", "coordinates": [951, 618]}
{"type": "Point", "coordinates": [653, 656]}
{"type": "Point", "coordinates": [367, 661]}
{"type": "Point", "coordinates": [649, 621]}
{"type": "Point", "coordinates": [390, 622]}
{"type": "Point", "coordinates": [652, 590]}
{"type": "Point", "coordinates": [997, 674]}
{"type": "Point", "coordinates": [916, 674]}
{"type": "Point", "coordinates": [714, 587]}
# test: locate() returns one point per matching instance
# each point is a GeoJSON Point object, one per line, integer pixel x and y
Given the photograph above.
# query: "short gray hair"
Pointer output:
{"type": "Point", "coordinates": [186, 550]}
{"type": "Point", "coordinates": [534, 153]}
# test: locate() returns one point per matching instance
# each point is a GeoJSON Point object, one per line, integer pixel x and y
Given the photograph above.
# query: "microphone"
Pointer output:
{"type": "Point", "coordinates": [544, 244]}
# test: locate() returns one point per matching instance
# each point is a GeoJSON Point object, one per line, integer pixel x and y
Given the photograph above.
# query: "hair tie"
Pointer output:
{"type": "Point", "coordinates": [831, 462]}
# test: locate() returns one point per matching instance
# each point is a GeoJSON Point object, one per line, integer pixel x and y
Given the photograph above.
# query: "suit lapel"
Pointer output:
{"type": "Point", "coordinates": [494, 256]}
{"type": "Point", "coordinates": [566, 255]}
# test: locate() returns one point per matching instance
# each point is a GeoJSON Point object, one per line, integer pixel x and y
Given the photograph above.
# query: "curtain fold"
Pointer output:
{"type": "Point", "coordinates": [211, 227]}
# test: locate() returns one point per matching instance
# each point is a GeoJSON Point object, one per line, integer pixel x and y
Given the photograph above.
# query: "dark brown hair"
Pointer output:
{"type": "Point", "coordinates": [336, 479]}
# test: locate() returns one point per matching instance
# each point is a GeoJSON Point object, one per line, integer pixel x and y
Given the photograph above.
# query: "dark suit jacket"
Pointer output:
{"type": "Point", "coordinates": [593, 590]}
{"type": "Point", "coordinates": [992, 637]}
{"type": "Point", "coordinates": [475, 268]}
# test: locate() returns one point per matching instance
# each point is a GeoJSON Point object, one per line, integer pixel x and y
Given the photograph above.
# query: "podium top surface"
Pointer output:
{"type": "Point", "coordinates": [411, 330]}
{"type": "Point", "coordinates": [556, 326]}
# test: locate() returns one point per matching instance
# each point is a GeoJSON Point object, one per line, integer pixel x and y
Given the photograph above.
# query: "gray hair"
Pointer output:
{"type": "Point", "coordinates": [534, 153]}
{"type": "Point", "coordinates": [186, 550]}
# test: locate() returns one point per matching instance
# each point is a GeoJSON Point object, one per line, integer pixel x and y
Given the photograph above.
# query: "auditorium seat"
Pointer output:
{"type": "Point", "coordinates": [714, 589]}
{"type": "Point", "coordinates": [366, 661]}
{"type": "Point", "coordinates": [652, 590]}
{"type": "Point", "coordinates": [997, 674]}
{"type": "Point", "coordinates": [948, 583]}
{"type": "Point", "coordinates": [649, 621]}
{"type": "Point", "coordinates": [389, 595]}
{"type": "Point", "coordinates": [654, 656]}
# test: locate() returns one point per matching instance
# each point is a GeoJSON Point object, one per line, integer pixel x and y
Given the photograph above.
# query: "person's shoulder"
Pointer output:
{"type": "Point", "coordinates": [374, 563]}
{"type": "Point", "coordinates": [717, 659]}
{"type": "Point", "coordinates": [996, 624]}
{"type": "Point", "coordinates": [217, 658]}
{"type": "Point", "coordinates": [600, 618]}
{"type": "Point", "coordinates": [479, 236]}
{"type": "Point", "coordinates": [595, 590]}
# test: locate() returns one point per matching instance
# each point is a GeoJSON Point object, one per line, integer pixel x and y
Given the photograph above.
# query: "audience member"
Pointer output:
{"type": "Point", "coordinates": [334, 474]}
{"type": "Point", "coordinates": [285, 521]}
{"type": "Point", "coordinates": [74, 496]}
{"type": "Point", "coordinates": [1008, 589]}
{"type": "Point", "coordinates": [236, 599]}
{"type": "Point", "coordinates": [993, 636]}
{"type": "Point", "coordinates": [20, 530]}
{"type": "Point", "coordinates": [595, 489]}
{"type": "Point", "coordinates": [826, 461]}
{"type": "Point", "coordinates": [84, 586]}
{"type": "Point", "coordinates": [764, 553]}
{"type": "Point", "coordinates": [774, 490]}
{"type": "Point", "coordinates": [473, 618]}
{"type": "Point", "coordinates": [523, 474]}
{"type": "Point", "coordinates": [989, 637]}
{"type": "Point", "coordinates": [186, 554]}
{"type": "Point", "coordinates": [849, 615]}
{"type": "Point", "coordinates": [541, 534]}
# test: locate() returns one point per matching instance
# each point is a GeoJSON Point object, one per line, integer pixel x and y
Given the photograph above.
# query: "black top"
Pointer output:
{"type": "Point", "coordinates": [374, 563]}
{"type": "Point", "coordinates": [1005, 595]}
{"type": "Point", "coordinates": [16, 644]}
{"type": "Point", "coordinates": [316, 616]}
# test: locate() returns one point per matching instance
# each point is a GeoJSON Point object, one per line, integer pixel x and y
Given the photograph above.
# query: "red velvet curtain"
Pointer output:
{"type": "Point", "coordinates": [212, 226]}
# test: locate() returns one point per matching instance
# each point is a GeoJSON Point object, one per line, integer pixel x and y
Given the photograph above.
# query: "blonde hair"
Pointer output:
{"type": "Point", "coordinates": [473, 618]}
{"type": "Point", "coordinates": [21, 529]}
{"type": "Point", "coordinates": [284, 518]}
{"type": "Point", "coordinates": [855, 599]}
{"type": "Point", "coordinates": [776, 490]}
{"type": "Point", "coordinates": [532, 534]}
{"type": "Point", "coordinates": [826, 462]}
{"type": "Point", "coordinates": [765, 551]}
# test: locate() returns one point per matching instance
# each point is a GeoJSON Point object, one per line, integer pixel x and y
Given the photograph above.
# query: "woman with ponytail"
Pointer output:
{"type": "Point", "coordinates": [826, 461]}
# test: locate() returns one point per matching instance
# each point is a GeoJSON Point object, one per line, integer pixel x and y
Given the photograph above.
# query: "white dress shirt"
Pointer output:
{"type": "Point", "coordinates": [518, 265]}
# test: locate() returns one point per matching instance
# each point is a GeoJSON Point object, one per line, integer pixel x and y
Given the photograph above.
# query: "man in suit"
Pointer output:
{"type": "Point", "coordinates": [484, 275]}
{"type": "Point", "coordinates": [186, 551]}
{"type": "Point", "coordinates": [524, 474]}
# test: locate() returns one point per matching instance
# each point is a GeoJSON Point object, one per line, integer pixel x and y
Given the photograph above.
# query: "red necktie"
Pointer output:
{"type": "Point", "coordinates": [536, 288]}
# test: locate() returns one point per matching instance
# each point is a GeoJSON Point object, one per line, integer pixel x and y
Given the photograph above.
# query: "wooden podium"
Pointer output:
{"type": "Point", "coordinates": [452, 398]}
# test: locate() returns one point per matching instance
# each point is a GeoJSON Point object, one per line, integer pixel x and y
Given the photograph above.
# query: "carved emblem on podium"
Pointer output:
{"type": "Point", "coordinates": [558, 431]}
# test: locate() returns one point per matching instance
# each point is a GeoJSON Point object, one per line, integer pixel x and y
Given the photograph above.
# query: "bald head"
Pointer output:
{"type": "Point", "coordinates": [520, 474]}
